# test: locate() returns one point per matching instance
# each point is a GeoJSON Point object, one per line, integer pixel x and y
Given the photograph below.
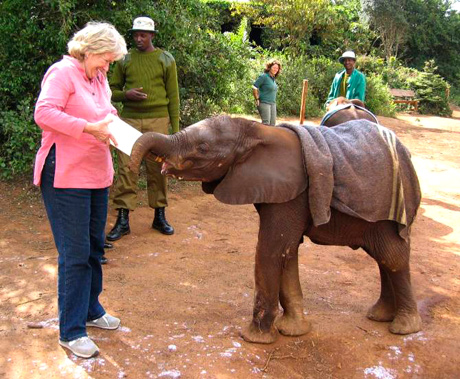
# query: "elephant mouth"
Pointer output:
{"type": "Point", "coordinates": [177, 170]}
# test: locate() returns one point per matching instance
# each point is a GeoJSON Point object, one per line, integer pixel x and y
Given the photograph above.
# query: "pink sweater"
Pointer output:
{"type": "Point", "coordinates": [67, 101]}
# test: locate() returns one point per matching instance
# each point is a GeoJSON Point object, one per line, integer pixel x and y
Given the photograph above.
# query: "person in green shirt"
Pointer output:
{"type": "Point", "coordinates": [349, 83]}
{"type": "Point", "coordinates": [145, 81]}
{"type": "Point", "coordinates": [264, 90]}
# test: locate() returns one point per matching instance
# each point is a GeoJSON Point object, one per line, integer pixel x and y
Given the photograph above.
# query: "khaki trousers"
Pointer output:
{"type": "Point", "coordinates": [124, 190]}
{"type": "Point", "coordinates": [267, 113]}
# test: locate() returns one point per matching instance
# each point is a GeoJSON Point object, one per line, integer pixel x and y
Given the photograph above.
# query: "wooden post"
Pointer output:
{"type": "Point", "coordinates": [304, 98]}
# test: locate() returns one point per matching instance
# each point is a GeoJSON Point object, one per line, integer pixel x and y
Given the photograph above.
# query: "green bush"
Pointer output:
{"type": "Point", "coordinates": [320, 80]}
{"type": "Point", "coordinates": [295, 70]}
{"type": "Point", "coordinates": [431, 91]}
{"type": "Point", "coordinates": [455, 96]}
{"type": "Point", "coordinates": [215, 70]}
{"type": "Point", "coordinates": [378, 96]}
{"type": "Point", "coordinates": [212, 67]}
{"type": "Point", "coordinates": [368, 64]}
{"type": "Point", "coordinates": [19, 137]}
{"type": "Point", "coordinates": [430, 88]}
{"type": "Point", "coordinates": [398, 76]}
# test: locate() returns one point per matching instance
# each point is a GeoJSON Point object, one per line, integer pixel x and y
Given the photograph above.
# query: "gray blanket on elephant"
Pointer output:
{"type": "Point", "coordinates": [361, 169]}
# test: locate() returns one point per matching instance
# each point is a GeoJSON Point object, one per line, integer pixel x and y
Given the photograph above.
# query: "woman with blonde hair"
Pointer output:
{"type": "Point", "coordinates": [73, 168]}
{"type": "Point", "coordinates": [264, 90]}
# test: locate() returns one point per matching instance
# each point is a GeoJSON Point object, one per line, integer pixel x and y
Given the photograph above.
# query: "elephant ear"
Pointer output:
{"type": "Point", "coordinates": [209, 187]}
{"type": "Point", "coordinates": [272, 171]}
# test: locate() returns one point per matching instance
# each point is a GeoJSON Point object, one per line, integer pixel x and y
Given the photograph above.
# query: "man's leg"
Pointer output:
{"type": "Point", "coordinates": [157, 184]}
{"type": "Point", "coordinates": [124, 197]}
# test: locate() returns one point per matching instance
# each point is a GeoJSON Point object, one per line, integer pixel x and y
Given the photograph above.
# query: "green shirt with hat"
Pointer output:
{"type": "Point", "coordinates": [354, 86]}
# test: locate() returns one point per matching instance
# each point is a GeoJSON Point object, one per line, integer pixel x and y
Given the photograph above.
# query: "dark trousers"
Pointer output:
{"type": "Point", "coordinates": [77, 218]}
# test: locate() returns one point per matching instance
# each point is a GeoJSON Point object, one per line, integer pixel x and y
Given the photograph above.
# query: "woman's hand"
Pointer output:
{"type": "Point", "coordinates": [100, 131]}
{"type": "Point", "coordinates": [257, 102]}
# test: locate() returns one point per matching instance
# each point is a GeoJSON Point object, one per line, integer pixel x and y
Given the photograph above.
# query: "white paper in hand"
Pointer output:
{"type": "Point", "coordinates": [124, 134]}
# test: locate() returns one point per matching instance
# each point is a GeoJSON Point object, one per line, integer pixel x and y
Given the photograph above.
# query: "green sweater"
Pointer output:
{"type": "Point", "coordinates": [156, 73]}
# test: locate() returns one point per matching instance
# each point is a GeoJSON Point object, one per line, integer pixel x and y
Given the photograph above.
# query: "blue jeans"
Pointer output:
{"type": "Point", "coordinates": [267, 113]}
{"type": "Point", "coordinates": [77, 218]}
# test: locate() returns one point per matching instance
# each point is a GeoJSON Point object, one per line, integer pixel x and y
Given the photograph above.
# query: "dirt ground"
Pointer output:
{"type": "Point", "coordinates": [183, 299]}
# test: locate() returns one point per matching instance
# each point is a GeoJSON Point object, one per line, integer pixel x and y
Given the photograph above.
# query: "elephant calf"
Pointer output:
{"type": "Point", "coordinates": [244, 162]}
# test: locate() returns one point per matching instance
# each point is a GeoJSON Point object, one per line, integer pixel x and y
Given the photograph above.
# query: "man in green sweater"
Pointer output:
{"type": "Point", "coordinates": [349, 83]}
{"type": "Point", "coordinates": [145, 81]}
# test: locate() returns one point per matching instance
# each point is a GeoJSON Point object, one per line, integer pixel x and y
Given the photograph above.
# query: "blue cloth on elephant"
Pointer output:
{"type": "Point", "coordinates": [361, 169]}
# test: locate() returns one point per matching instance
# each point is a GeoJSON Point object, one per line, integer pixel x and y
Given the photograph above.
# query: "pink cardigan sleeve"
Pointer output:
{"type": "Point", "coordinates": [49, 110]}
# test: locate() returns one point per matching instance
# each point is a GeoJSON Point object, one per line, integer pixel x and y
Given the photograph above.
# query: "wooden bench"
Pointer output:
{"type": "Point", "coordinates": [404, 96]}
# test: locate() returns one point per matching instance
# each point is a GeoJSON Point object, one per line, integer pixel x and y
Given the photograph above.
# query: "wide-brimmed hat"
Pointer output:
{"type": "Point", "coordinates": [143, 24]}
{"type": "Point", "coordinates": [347, 54]}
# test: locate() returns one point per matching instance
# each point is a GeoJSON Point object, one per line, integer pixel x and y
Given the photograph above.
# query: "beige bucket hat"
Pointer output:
{"type": "Point", "coordinates": [143, 24]}
{"type": "Point", "coordinates": [347, 54]}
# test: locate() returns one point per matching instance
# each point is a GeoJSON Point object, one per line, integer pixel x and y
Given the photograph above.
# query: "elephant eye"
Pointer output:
{"type": "Point", "coordinates": [203, 148]}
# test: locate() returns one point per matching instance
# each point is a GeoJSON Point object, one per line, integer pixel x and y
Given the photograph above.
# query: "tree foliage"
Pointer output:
{"type": "Point", "coordinates": [434, 34]}
{"type": "Point", "coordinates": [388, 17]}
{"type": "Point", "coordinates": [292, 22]}
{"type": "Point", "coordinates": [417, 31]}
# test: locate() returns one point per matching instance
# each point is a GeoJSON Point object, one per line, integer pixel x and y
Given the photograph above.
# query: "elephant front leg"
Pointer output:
{"type": "Point", "coordinates": [262, 329]}
{"type": "Point", "coordinates": [276, 272]}
{"type": "Point", "coordinates": [293, 321]}
{"type": "Point", "coordinates": [266, 299]}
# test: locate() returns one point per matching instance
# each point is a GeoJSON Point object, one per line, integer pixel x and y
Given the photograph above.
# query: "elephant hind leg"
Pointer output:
{"type": "Point", "coordinates": [407, 319]}
{"type": "Point", "coordinates": [396, 300]}
{"type": "Point", "coordinates": [385, 307]}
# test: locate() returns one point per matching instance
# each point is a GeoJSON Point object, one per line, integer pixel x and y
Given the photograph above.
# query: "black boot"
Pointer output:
{"type": "Point", "coordinates": [160, 223]}
{"type": "Point", "coordinates": [121, 227]}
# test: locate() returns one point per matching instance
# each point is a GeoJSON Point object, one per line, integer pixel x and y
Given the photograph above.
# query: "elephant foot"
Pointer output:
{"type": "Point", "coordinates": [406, 323]}
{"type": "Point", "coordinates": [254, 334]}
{"type": "Point", "coordinates": [381, 312]}
{"type": "Point", "coordinates": [293, 326]}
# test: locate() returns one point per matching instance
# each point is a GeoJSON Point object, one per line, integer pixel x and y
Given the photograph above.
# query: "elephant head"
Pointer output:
{"type": "Point", "coordinates": [213, 151]}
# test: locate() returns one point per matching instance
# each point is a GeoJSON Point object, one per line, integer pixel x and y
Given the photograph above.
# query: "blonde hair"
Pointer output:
{"type": "Point", "coordinates": [97, 38]}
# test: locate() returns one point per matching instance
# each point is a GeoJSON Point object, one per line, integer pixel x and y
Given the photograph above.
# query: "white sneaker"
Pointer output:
{"type": "Point", "coordinates": [105, 322]}
{"type": "Point", "coordinates": [82, 347]}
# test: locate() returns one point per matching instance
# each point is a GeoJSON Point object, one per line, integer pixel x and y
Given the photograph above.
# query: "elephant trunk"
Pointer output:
{"type": "Point", "coordinates": [158, 144]}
